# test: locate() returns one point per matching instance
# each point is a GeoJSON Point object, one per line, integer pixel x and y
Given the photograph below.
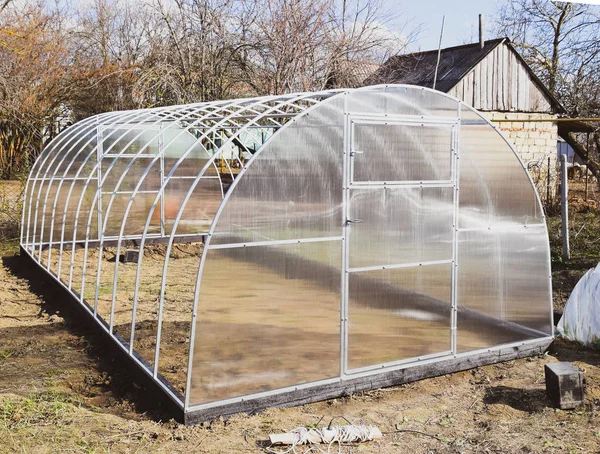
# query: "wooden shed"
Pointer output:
{"type": "Point", "coordinates": [493, 78]}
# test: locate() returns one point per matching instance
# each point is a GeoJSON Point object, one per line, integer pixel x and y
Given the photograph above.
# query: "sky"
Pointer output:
{"type": "Point", "coordinates": [461, 23]}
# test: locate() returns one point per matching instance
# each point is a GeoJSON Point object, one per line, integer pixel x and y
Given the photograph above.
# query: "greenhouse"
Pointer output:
{"type": "Point", "coordinates": [286, 249]}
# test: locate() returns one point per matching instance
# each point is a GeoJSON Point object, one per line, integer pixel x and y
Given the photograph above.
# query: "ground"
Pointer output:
{"type": "Point", "coordinates": [59, 393]}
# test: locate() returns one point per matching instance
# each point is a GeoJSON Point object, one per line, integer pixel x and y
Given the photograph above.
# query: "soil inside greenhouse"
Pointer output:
{"type": "Point", "coordinates": [59, 393]}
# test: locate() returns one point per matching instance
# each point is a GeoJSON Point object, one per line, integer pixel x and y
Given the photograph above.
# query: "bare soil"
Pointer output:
{"type": "Point", "coordinates": [58, 393]}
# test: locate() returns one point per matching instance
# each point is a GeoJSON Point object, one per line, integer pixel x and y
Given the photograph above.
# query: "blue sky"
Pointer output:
{"type": "Point", "coordinates": [461, 25]}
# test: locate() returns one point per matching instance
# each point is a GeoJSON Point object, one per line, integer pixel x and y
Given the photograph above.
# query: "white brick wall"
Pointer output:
{"type": "Point", "coordinates": [535, 142]}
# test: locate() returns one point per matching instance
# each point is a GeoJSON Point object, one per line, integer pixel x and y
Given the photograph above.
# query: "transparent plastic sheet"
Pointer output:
{"type": "Point", "coordinates": [399, 313]}
{"type": "Point", "coordinates": [388, 152]}
{"type": "Point", "coordinates": [581, 317]}
{"type": "Point", "coordinates": [400, 225]}
{"type": "Point", "coordinates": [293, 189]}
{"type": "Point", "coordinates": [495, 188]}
{"type": "Point", "coordinates": [269, 317]}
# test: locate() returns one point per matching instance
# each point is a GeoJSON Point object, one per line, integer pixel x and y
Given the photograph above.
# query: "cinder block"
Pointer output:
{"type": "Point", "coordinates": [564, 385]}
{"type": "Point", "coordinates": [131, 255]}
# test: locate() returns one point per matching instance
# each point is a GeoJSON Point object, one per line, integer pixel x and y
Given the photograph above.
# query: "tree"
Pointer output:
{"type": "Point", "coordinates": [313, 44]}
{"type": "Point", "coordinates": [34, 82]}
{"type": "Point", "coordinates": [561, 42]}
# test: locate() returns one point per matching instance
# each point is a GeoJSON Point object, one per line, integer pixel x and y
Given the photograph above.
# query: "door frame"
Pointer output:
{"type": "Point", "coordinates": [348, 184]}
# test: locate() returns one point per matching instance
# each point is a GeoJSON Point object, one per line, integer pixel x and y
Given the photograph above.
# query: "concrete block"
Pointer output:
{"type": "Point", "coordinates": [564, 385]}
{"type": "Point", "coordinates": [131, 255]}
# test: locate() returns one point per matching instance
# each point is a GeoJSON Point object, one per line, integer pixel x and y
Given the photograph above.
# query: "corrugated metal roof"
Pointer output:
{"type": "Point", "coordinates": [419, 68]}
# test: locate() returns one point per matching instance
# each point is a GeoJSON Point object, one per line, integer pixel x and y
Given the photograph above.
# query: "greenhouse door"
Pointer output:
{"type": "Point", "coordinates": [400, 242]}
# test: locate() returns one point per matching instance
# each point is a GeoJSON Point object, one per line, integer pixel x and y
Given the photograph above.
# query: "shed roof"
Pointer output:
{"type": "Point", "coordinates": [418, 68]}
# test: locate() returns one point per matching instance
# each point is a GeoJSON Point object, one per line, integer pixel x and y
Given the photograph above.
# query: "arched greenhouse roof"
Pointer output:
{"type": "Point", "coordinates": [242, 252]}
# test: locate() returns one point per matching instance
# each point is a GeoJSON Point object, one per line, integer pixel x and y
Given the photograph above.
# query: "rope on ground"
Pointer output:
{"type": "Point", "coordinates": [329, 435]}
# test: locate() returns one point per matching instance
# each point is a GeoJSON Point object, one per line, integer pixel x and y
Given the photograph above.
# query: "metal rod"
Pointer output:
{"type": "Point", "coordinates": [548, 184]}
{"type": "Point", "coordinates": [587, 155]}
{"type": "Point", "coordinates": [542, 120]}
{"type": "Point", "coordinates": [437, 65]}
{"type": "Point", "coordinates": [564, 202]}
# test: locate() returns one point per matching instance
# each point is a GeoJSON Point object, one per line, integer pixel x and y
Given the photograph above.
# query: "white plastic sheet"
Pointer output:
{"type": "Point", "coordinates": [581, 317]}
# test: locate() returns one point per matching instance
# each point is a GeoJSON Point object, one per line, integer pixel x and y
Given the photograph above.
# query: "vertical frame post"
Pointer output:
{"type": "Point", "coordinates": [564, 207]}
{"type": "Point", "coordinates": [346, 177]}
{"type": "Point", "coordinates": [454, 276]}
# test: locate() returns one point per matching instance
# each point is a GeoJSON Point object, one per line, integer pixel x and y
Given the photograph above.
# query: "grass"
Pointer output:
{"type": "Point", "coordinates": [41, 409]}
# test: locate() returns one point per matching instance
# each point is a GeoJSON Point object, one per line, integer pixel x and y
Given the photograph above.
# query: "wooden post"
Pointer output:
{"type": "Point", "coordinates": [564, 204]}
{"type": "Point", "coordinates": [587, 156]}
{"type": "Point", "coordinates": [548, 185]}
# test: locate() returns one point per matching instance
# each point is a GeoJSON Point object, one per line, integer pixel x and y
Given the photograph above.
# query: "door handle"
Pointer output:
{"type": "Point", "coordinates": [353, 221]}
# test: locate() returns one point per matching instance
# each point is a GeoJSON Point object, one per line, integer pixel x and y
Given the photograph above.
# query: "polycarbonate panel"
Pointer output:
{"type": "Point", "coordinates": [199, 212]}
{"type": "Point", "coordinates": [293, 189]}
{"type": "Point", "coordinates": [387, 152]}
{"type": "Point", "coordinates": [394, 100]}
{"type": "Point", "coordinates": [400, 225]}
{"type": "Point", "coordinates": [503, 276]}
{"type": "Point", "coordinates": [268, 317]}
{"type": "Point", "coordinates": [495, 188]}
{"type": "Point", "coordinates": [400, 313]}
{"type": "Point", "coordinates": [112, 219]}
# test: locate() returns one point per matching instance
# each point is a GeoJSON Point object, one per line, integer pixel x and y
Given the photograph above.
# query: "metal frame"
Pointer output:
{"type": "Point", "coordinates": [78, 156]}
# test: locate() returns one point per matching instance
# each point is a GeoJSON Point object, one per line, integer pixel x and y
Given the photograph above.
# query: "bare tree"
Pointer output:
{"type": "Point", "coordinates": [561, 42]}
{"type": "Point", "coordinates": [312, 44]}
{"type": "Point", "coordinates": [34, 80]}
{"type": "Point", "coordinates": [197, 53]}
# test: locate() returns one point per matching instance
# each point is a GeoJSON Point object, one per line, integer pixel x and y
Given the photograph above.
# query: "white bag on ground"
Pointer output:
{"type": "Point", "coordinates": [581, 317]}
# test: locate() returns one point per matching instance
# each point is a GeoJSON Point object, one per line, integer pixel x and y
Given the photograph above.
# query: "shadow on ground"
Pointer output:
{"type": "Point", "coordinates": [33, 354]}
{"type": "Point", "coordinates": [528, 400]}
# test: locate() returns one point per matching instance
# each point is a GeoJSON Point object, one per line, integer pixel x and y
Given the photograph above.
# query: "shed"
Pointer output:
{"type": "Point", "coordinates": [494, 79]}
{"type": "Point", "coordinates": [356, 239]}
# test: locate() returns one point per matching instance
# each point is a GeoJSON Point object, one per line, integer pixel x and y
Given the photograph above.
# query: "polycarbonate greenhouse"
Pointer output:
{"type": "Point", "coordinates": [295, 248]}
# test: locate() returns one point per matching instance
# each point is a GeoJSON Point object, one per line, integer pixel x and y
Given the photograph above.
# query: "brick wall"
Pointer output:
{"type": "Point", "coordinates": [535, 142]}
